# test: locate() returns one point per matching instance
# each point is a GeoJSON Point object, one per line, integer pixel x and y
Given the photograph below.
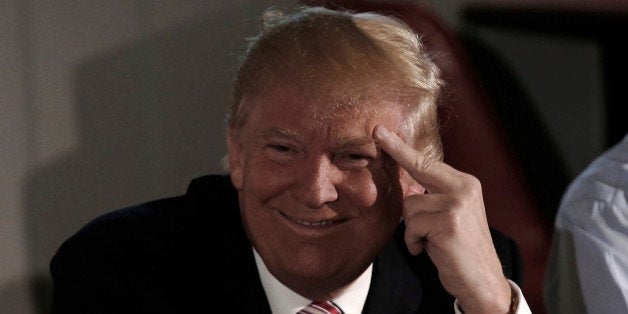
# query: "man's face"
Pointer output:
{"type": "Point", "coordinates": [318, 198]}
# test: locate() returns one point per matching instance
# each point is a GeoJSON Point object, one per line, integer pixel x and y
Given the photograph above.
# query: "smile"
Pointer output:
{"type": "Point", "coordinates": [313, 223]}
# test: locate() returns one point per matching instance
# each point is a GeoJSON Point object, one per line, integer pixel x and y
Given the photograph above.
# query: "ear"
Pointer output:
{"type": "Point", "coordinates": [409, 186]}
{"type": "Point", "coordinates": [236, 165]}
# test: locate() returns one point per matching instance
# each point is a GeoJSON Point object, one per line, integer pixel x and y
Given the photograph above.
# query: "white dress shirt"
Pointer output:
{"type": "Point", "coordinates": [282, 300]}
{"type": "Point", "coordinates": [588, 266]}
{"type": "Point", "coordinates": [351, 300]}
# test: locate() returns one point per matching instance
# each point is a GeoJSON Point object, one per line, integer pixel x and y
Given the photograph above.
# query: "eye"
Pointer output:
{"type": "Point", "coordinates": [358, 157]}
{"type": "Point", "coordinates": [353, 161]}
{"type": "Point", "coordinates": [281, 153]}
{"type": "Point", "coordinates": [279, 148]}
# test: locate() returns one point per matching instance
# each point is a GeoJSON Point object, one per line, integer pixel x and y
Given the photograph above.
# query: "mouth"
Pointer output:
{"type": "Point", "coordinates": [314, 223]}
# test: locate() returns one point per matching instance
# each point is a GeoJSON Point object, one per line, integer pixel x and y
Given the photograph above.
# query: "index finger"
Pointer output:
{"type": "Point", "coordinates": [432, 174]}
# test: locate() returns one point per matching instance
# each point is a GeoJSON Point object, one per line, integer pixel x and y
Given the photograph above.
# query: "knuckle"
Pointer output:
{"type": "Point", "coordinates": [470, 182]}
{"type": "Point", "coordinates": [453, 221]}
{"type": "Point", "coordinates": [474, 182]}
{"type": "Point", "coordinates": [457, 203]}
{"type": "Point", "coordinates": [473, 186]}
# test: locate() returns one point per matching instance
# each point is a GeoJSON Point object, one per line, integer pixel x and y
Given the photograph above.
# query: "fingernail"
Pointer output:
{"type": "Point", "coordinates": [381, 132]}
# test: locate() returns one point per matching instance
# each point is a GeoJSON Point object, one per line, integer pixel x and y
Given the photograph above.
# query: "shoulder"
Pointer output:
{"type": "Point", "coordinates": [598, 188]}
{"type": "Point", "coordinates": [149, 257]}
{"type": "Point", "coordinates": [156, 226]}
{"type": "Point", "coordinates": [607, 173]}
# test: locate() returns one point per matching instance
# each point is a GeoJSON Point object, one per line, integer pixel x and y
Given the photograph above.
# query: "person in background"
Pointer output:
{"type": "Point", "coordinates": [336, 198]}
{"type": "Point", "coordinates": [588, 266]}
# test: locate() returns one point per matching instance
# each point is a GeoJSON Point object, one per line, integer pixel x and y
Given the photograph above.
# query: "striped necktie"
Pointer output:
{"type": "Point", "coordinates": [322, 307]}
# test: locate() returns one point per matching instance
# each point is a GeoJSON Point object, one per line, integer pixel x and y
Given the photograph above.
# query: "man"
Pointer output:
{"type": "Point", "coordinates": [336, 193]}
{"type": "Point", "coordinates": [588, 265]}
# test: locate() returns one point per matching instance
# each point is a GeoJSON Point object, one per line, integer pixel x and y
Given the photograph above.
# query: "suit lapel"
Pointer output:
{"type": "Point", "coordinates": [246, 286]}
{"type": "Point", "coordinates": [237, 273]}
{"type": "Point", "coordinates": [394, 287]}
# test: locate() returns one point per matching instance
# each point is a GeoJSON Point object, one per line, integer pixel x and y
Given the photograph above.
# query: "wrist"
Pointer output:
{"type": "Point", "coordinates": [504, 300]}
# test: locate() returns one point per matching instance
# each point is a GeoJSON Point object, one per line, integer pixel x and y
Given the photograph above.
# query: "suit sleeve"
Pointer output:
{"type": "Point", "coordinates": [509, 255]}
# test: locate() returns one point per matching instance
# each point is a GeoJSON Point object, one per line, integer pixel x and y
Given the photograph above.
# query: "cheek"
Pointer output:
{"type": "Point", "coordinates": [362, 189]}
{"type": "Point", "coordinates": [263, 179]}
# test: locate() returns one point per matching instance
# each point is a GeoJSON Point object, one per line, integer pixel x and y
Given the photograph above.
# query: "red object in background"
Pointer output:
{"type": "Point", "coordinates": [475, 141]}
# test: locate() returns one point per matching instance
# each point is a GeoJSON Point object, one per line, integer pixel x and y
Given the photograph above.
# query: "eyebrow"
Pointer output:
{"type": "Point", "coordinates": [274, 131]}
{"type": "Point", "coordinates": [343, 141]}
{"type": "Point", "coordinates": [356, 141]}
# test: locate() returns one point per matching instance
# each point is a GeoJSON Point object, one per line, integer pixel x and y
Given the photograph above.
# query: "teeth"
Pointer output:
{"type": "Point", "coordinates": [315, 223]}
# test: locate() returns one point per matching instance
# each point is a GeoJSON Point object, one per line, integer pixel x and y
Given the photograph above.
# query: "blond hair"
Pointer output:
{"type": "Point", "coordinates": [346, 58]}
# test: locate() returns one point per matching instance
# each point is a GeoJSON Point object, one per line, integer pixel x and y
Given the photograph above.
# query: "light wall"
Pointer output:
{"type": "Point", "coordinates": [104, 104]}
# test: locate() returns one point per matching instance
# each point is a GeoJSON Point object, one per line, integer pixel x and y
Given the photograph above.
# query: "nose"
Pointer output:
{"type": "Point", "coordinates": [317, 182]}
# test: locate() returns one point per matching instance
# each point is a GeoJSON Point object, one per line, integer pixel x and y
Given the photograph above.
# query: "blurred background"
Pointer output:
{"type": "Point", "coordinates": [105, 104]}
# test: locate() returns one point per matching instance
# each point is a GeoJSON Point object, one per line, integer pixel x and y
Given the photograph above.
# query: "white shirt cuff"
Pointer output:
{"type": "Point", "coordinates": [522, 308]}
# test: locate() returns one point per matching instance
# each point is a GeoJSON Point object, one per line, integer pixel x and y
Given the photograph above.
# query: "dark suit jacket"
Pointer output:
{"type": "Point", "coordinates": [186, 254]}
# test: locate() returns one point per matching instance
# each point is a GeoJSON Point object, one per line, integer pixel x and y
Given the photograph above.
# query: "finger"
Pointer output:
{"type": "Point", "coordinates": [414, 244]}
{"type": "Point", "coordinates": [426, 203]}
{"type": "Point", "coordinates": [420, 227]}
{"type": "Point", "coordinates": [434, 175]}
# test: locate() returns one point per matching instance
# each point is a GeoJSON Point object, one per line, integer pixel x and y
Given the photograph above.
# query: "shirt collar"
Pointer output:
{"type": "Point", "coordinates": [282, 300]}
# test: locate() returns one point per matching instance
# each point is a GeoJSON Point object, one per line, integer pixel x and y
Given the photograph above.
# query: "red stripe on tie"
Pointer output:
{"type": "Point", "coordinates": [326, 307]}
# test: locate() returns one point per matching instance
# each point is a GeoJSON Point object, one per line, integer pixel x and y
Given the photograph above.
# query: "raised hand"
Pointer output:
{"type": "Point", "coordinates": [449, 222]}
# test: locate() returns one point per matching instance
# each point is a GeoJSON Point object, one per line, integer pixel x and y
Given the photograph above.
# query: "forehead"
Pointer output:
{"type": "Point", "coordinates": [349, 117]}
